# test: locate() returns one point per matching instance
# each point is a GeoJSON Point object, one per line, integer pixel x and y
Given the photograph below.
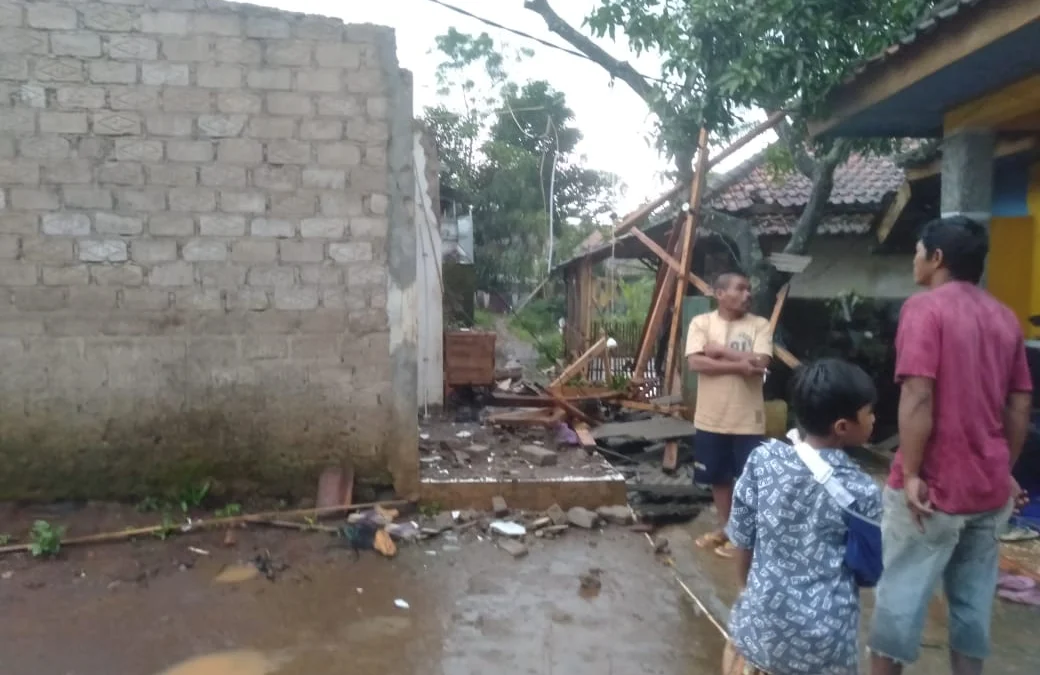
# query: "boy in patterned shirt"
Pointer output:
{"type": "Point", "coordinates": [798, 612]}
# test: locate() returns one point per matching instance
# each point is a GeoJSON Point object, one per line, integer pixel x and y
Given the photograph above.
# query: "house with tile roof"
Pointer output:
{"type": "Point", "coordinates": [967, 75]}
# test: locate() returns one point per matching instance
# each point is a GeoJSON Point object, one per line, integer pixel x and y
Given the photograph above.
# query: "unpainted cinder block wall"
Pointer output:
{"type": "Point", "coordinates": [205, 242]}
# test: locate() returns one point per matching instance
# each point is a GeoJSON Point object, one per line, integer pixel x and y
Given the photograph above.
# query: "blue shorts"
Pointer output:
{"type": "Point", "coordinates": [962, 551]}
{"type": "Point", "coordinates": [718, 459]}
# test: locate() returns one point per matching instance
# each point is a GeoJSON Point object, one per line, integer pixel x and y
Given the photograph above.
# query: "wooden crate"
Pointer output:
{"type": "Point", "coordinates": [469, 359]}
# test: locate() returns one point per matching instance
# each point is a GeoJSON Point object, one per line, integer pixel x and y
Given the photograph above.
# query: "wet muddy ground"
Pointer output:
{"type": "Point", "coordinates": [152, 606]}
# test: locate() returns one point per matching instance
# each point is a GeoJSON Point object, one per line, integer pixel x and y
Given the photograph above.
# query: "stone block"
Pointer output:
{"type": "Point", "coordinates": [18, 121]}
{"type": "Point", "coordinates": [364, 81]}
{"type": "Point", "coordinates": [319, 28]}
{"type": "Point", "coordinates": [243, 202]}
{"type": "Point", "coordinates": [149, 251]}
{"type": "Point", "coordinates": [616, 515]}
{"type": "Point", "coordinates": [252, 251]}
{"type": "Point", "coordinates": [75, 97]}
{"type": "Point", "coordinates": [11, 14]}
{"type": "Point", "coordinates": [237, 50]}
{"type": "Point", "coordinates": [34, 199]}
{"type": "Point", "coordinates": [271, 276]}
{"type": "Point", "coordinates": [272, 227]}
{"type": "Point", "coordinates": [296, 298]}
{"type": "Point", "coordinates": [18, 274]}
{"type": "Point", "coordinates": [14, 67]}
{"type": "Point", "coordinates": [240, 151]}
{"type": "Point", "coordinates": [269, 78]}
{"type": "Point", "coordinates": [314, 347]}
{"type": "Point", "coordinates": [65, 275]}
{"type": "Point", "coordinates": [222, 126]}
{"type": "Point", "coordinates": [223, 175]}
{"type": "Point", "coordinates": [340, 106]}
{"type": "Point", "coordinates": [9, 246]}
{"type": "Point", "coordinates": [23, 41]}
{"type": "Point", "coordinates": [86, 198]}
{"type": "Point", "coordinates": [340, 204]}
{"type": "Point", "coordinates": [298, 203]}
{"type": "Point", "coordinates": [112, 72]}
{"type": "Point", "coordinates": [146, 199]}
{"type": "Point", "coordinates": [342, 55]}
{"type": "Point", "coordinates": [202, 299]}
{"type": "Point", "coordinates": [249, 299]}
{"type": "Point", "coordinates": [378, 108]}
{"type": "Point", "coordinates": [369, 228]}
{"type": "Point", "coordinates": [110, 223]}
{"type": "Point", "coordinates": [219, 76]}
{"type": "Point", "coordinates": [187, 99]}
{"type": "Point", "coordinates": [271, 127]}
{"type": "Point", "coordinates": [121, 173]}
{"type": "Point", "coordinates": [216, 24]}
{"type": "Point", "coordinates": [323, 228]}
{"type": "Point", "coordinates": [102, 250]}
{"type": "Point", "coordinates": [63, 122]}
{"type": "Point", "coordinates": [161, 73]}
{"type": "Point", "coordinates": [288, 52]}
{"type": "Point", "coordinates": [324, 80]}
{"type": "Point", "coordinates": [166, 23]}
{"type": "Point", "coordinates": [240, 102]}
{"type": "Point", "coordinates": [189, 151]}
{"type": "Point", "coordinates": [321, 130]}
{"type": "Point", "coordinates": [289, 103]}
{"type": "Point", "coordinates": [131, 48]}
{"type": "Point", "coordinates": [168, 124]}
{"type": "Point", "coordinates": [221, 275]}
{"type": "Point", "coordinates": [138, 150]}
{"type": "Point", "coordinates": [267, 27]}
{"type": "Point", "coordinates": [92, 298]}
{"type": "Point", "coordinates": [198, 200]}
{"type": "Point", "coordinates": [205, 250]}
{"type": "Point", "coordinates": [339, 154]}
{"type": "Point", "coordinates": [109, 18]}
{"type": "Point", "coordinates": [288, 152]}
{"type": "Point", "coordinates": [351, 252]}
{"type": "Point", "coordinates": [39, 299]}
{"type": "Point", "coordinates": [324, 179]}
{"type": "Point", "coordinates": [173, 175]}
{"type": "Point", "coordinates": [116, 123]}
{"type": "Point", "coordinates": [45, 147]}
{"type": "Point", "coordinates": [125, 275]}
{"type": "Point", "coordinates": [367, 321]}
{"type": "Point", "coordinates": [19, 172]}
{"type": "Point", "coordinates": [74, 171]}
{"type": "Point", "coordinates": [322, 274]}
{"type": "Point", "coordinates": [582, 517]}
{"type": "Point", "coordinates": [222, 225]}
{"type": "Point", "coordinates": [84, 45]}
{"type": "Point", "coordinates": [18, 223]}
{"type": "Point", "coordinates": [276, 178]}
{"type": "Point", "coordinates": [301, 251]}
{"type": "Point", "coordinates": [171, 225]}
{"type": "Point", "coordinates": [66, 224]}
{"type": "Point", "coordinates": [51, 16]}
{"type": "Point", "coordinates": [366, 276]}
{"type": "Point", "coordinates": [172, 274]}
{"type": "Point", "coordinates": [47, 249]}
{"type": "Point", "coordinates": [145, 299]}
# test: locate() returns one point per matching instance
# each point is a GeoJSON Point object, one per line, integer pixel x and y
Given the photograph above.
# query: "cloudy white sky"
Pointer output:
{"type": "Point", "coordinates": [615, 122]}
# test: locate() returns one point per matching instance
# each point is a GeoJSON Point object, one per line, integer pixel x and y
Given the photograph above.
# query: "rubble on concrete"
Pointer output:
{"type": "Point", "coordinates": [582, 517]}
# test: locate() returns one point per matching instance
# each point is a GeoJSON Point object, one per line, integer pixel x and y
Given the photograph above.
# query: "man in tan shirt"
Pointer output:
{"type": "Point", "coordinates": [730, 350]}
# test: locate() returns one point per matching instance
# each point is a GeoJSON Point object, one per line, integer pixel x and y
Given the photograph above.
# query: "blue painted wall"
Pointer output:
{"type": "Point", "coordinates": [1010, 187]}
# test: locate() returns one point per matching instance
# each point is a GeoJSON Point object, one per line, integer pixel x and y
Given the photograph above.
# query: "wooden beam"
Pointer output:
{"type": "Point", "coordinates": [670, 461]}
{"type": "Point", "coordinates": [584, 434]}
{"type": "Point", "coordinates": [578, 366]}
{"type": "Point", "coordinates": [686, 255]}
{"type": "Point", "coordinates": [956, 38]}
{"type": "Point", "coordinates": [774, 320]}
{"type": "Point", "coordinates": [692, 278]}
{"type": "Point", "coordinates": [786, 357]}
{"type": "Point", "coordinates": [585, 274]}
{"type": "Point", "coordinates": [996, 108]}
{"type": "Point", "coordinates": [1005, 147]}
{"type": "Point", "coordinates": [657, 310]}
{"type": "Point", "coordinates": [894, 210]}
{"type": "Point", "coordinates": [662, 273]}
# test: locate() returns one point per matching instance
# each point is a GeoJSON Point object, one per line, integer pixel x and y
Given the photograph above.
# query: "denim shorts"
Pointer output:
{"type": "Point", "coordinates": [963, 551]}
{"type": "Point", "coordinates": [719, 459]}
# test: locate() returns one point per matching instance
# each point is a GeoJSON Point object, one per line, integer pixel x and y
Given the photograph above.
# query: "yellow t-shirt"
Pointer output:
{"type": "Point", "coordinates": [730, 404]}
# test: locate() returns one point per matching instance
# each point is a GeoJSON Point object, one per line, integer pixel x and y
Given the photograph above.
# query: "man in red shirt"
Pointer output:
{"type": "Point", "coordinates": [963, 416]}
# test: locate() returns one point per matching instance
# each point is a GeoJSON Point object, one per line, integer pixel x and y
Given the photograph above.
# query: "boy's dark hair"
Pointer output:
{"type": "Point", "coordinates": [725, 280]}
{"type": "Point", "coordinates": [827, 391]}
{"type": "Point", "coordinates": [964, 245]}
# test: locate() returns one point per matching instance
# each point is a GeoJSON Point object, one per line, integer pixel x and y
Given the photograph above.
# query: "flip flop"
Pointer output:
{"type": "Point", "coordinates": [711, 540]}
{"type": "Point", "coordinates": [726, 550]}
{"type": "Point", "coordinates": [1019, 534]}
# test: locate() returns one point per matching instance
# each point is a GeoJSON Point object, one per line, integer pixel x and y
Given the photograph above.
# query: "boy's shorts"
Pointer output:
{"type": "Point", "coordinates": [718, 459]}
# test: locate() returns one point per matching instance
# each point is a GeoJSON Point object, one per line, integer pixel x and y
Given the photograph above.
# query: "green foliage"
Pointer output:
{"type": "Point", "coordinates": [504, 149]}
{"type": "Point", "coordinates": [191, 496]}
{"type": "Point", "coordinates": [45, 539]}
{"type": "Point", "coordinates": [482, 318]}
{"type": "Point", "coordinates": [5, 539]}
{"type": "Point", "coordinates": [166, 527]}
{"type": "Point", "coordinates": [228, 511]}
{"type": "Point", "coordinates": [634, 297]}
{"type": "Point", "coordinates": [538, 322]}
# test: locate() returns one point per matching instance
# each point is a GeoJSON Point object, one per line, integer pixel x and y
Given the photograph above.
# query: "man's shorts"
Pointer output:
{"type": "Point", "coordinates": [718, 459]}
{"type": "Point", "coordinates": [962, 551]}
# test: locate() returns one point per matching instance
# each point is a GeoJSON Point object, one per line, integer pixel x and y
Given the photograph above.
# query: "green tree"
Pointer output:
{"type": "Point", "coordinates": [509, 153]}
{"type": "Point", "coordinates": [723, 58]}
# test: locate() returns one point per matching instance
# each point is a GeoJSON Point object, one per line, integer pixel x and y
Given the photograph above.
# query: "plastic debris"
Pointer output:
{"type": "Point", "coordinates": [401, 604]}
{"type": "Point", "coordinates": [508, 529]}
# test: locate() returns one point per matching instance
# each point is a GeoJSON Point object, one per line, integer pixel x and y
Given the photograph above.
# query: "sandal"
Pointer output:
{"type": "Point", "coordinates": [726, 550]}
{"type": "Point", "coordinates": [711, 540]}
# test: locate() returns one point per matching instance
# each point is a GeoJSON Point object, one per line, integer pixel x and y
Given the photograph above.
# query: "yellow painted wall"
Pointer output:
{"type": "Point", "coordinates": [1011, 268]}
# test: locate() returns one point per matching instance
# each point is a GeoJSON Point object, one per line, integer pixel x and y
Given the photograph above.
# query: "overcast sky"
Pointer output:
{"type": "Point", "coordinates": [615, 122]}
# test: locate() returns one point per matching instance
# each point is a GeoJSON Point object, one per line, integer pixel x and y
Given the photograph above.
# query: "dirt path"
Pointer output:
{"type": "Point", "coordinates": [512, 348]}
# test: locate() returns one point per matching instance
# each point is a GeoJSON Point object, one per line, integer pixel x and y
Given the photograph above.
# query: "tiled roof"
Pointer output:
{"type": "Point", "coordinates": [862, 181]}
{"type": "Point", "coordinates": [931, 21]}
{"type": "Point", "coordinates": [837, 224]}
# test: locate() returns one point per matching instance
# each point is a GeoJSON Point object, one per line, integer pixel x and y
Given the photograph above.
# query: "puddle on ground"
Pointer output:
{"type": "Point", "coordinates": [242, 662]}
{"type": "Point", "coordinates": [234, 574]}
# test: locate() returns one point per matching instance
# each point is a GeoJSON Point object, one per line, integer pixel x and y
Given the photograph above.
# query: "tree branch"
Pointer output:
{"type": "Point", "coordinates": [802, 160]}
{"type": "Point", "coordinates": [823, 185]}
{"type": "Point", "coordinates": [618, 69]}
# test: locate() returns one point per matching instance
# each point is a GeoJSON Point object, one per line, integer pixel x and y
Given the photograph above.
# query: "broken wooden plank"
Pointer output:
{"type": "Point", "coordinates": [671, 456]}
{"type": "Point", "coordinates": [652, 407]}
{"type": "Point", "coordinates": [584, 434]}
{"type": "Point", "coordinates": [656, 429]}
{"type": "Point", "coordinates": [579, 364]}
{"type": "Point", "coordinates": [506, 400]}
{"type": "Point", "coordinates": [544, 417]}
{"type": "Point", "coordinates": [789, 359]}
{"type": "Point", "coordinates": [566, 405]}
{"type": "Point", "coordinates": [778, 307]}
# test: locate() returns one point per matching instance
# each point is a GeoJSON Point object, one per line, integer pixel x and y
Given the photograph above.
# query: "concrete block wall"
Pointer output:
{"type": "Point", "coordinates": [204, 235]}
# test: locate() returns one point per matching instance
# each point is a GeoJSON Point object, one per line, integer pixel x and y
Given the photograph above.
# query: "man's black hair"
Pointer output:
{"type": "Point", "coordinates": [827, 391]}
{"type": "Point", "coordinates": [963, 243]}
{"type": "Point", "coordinates": [725, 280]}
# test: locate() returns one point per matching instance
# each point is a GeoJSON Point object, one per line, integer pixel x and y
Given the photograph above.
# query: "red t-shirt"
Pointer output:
{"type": "Point", "coordinates": [972, 346]}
